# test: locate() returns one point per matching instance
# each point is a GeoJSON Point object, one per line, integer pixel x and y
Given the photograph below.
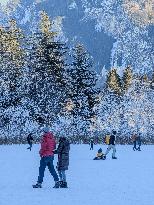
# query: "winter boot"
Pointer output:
{"type": "Point", "coordinates": [37, 185]}
{"type": "Point", "coordinates": [134, 148]}
{"type": "Point", "coordinates": [56, 184]}
{"type": "Point", "coordinates": [64, 185]}
{"type": "Point", "coordinates": [114, 157]}
{"type": "Point", "coordinates": [60, 184]}
{"type": "Point", "coordinates": [104, 157]}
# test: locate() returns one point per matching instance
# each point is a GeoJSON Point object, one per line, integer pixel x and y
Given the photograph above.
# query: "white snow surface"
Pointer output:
{"type": "Point", "coordinates": [3, 2]}
{"type": "Point", "coordinates": [125, 181]}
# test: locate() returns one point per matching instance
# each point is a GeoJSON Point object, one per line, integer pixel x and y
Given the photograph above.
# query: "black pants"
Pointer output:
{"type": "Point", "coordinates": [91, 146]}
{"type": "Point", "coordinates": [134, 145]}
{"type": "Point", "coordinates": [30, 146]}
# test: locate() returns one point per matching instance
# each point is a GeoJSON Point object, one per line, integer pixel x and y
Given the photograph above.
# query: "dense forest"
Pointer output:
{"type": "Point", "coordinates": [45, 81]}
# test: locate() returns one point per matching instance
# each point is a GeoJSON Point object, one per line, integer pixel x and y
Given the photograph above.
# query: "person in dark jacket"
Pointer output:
{"type": "Point", "coordinates": [112, 145]}
{"type": "Point", "coordinates": [63, 160]}
{"type": "Point", "coordinates": [91, 144]}
{"type": "Point", "coordinates": [139, 142]}
{"type": "Point", "coordinates": [29, 140]}
{"type": "Point", "coordinates": [134, 138]}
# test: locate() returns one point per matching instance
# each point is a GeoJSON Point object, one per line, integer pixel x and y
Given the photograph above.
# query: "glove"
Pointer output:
{"type": "Point", "coordinates": [55, 151]}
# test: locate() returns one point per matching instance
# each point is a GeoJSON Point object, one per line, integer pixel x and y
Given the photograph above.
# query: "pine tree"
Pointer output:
{"type": "Point", "coordinates": [152, 81]}
{"type": "Point", "coordinates": [81, 90]}
{"type": "Point", "coordinates": [138, 108]}
{"type": "Point", "coordinates": [114, 82]}
{"type": "Point", "coordinates": [46, 69]}
{"type": "Point", "coordinates": [127, 78]}
{"type": "Point", "coordinates": [11, 61]}
{"type": "Point", "coordinates": [145, 78]}
{"type": "Point", "coordinates": [108, 111]}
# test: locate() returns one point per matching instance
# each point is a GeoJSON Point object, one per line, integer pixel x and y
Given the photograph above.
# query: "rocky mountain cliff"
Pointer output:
{"type": "Point", "coordinates": [95, 24]}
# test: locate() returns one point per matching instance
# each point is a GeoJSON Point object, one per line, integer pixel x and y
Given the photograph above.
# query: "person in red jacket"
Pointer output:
{"type": "Point", "coordinates": [48, 144]}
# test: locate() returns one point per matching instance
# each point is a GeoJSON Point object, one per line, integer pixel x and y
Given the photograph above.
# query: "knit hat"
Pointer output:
{"type": "Point", "coordinates": [100, 150]}
{"type": "Point", "coordinates": [114, 132]}
{"type": "Point", "coordinates": [46, 129]}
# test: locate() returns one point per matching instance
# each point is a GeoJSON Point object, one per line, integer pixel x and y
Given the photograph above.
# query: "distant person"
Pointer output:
{"type": "Point", "coordinates": [48, 145]}
{"type": "Point", "coordinates": [139, 142]}
{"type": "Point", "coordinates": [91, 144]}
{"type": "Point", "coordinates": [107, 138]}
{"type": "Point", "coordinates": [63, 160]}
{"type": "Point", "coordinates": [112, 145]}
{"type": "Point", "coordinates": [134, 138]}
{"type": "Point", "coordinates": [100, 155]}
{"type": "Point", "coordinates": [29, 140]}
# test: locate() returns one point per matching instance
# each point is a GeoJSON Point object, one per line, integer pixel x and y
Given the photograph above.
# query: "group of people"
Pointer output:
{"type": "Point", "coordinates": [136, 141]}
{"type": "Point", "coordinates": [110, 141]}
{"type": "Point", "coordinates": [47, 151]}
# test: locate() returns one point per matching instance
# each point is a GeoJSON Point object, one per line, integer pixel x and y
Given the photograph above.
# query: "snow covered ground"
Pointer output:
{"type": "Point", "coordinates": [129, 180]}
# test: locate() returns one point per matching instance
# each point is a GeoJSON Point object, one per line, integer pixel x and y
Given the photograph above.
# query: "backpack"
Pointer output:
{"type": "Point", "coordinates": [107, 139]}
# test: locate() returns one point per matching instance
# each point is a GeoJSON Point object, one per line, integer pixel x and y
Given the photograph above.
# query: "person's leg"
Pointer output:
{"type": "Point", "coordinates": [114, 151]}
{"type": "Point", "coordinates": [41, 173]}
{"type": "Point", "coordinates": [41, 169]}
{"type": "Point", "coordinates": [139, 145]}
{"type": "Point", "coordinates": [135, 144]}
{"type": "Point", "coordinates": [134, 148]}
{"type": "Point", "coordinates": [60, 175]}
{"type": "Point", "coordinates": [63, 183]}
{"type": "Point", "coordinates": [108, 149]}
{"type": "Point", "coordinates": [29, 146]}
{"type": "Point", "coordinates": [52, 169]}
{"type": "Point", "coordinates": [63, 175]}
{"type": "Point", "coordinates": [101, 157]}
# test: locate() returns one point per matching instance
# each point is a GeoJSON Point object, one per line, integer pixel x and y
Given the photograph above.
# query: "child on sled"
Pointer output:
{"type": "Point", "coordinates": [100, 155]}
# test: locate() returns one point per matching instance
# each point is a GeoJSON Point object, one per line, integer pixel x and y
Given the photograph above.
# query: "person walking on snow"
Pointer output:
{"type": "Point", "coordinates": [63, 160]}
{"type": "Point", "coordinates": [29, 140]}
{"type": "Point", "coordinates": [48, 144]}
{"type": "Point", "coordinates": [91, 144]}
{"type": "Point", "coordinates": [111, 145]}
{"type": "Point", "coordinates": [107, 138]}
{"type": "Point", "coordinates": [139, 142]}
{"type": "Point", "coordinates": [134, 138]}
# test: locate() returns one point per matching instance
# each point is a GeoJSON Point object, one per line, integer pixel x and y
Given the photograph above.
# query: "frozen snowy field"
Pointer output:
{"type": "Point", "coordinates": [129, 180]}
